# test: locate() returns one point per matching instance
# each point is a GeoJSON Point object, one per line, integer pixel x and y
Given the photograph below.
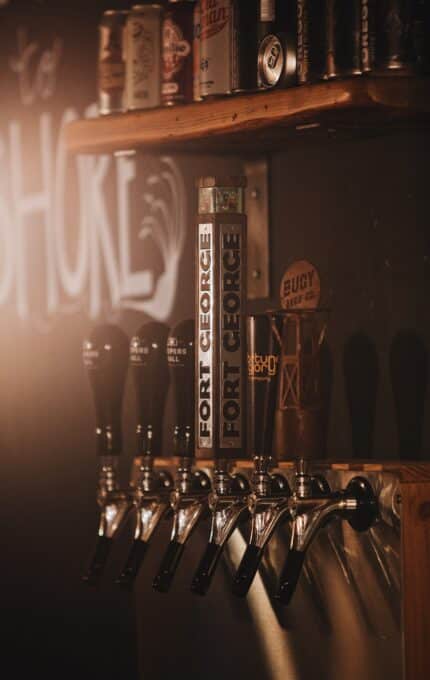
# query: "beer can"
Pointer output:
{"type": "Point", "coordinates": [343, 38]}
{"type": "Point", "coordinates": [177, 53]}
{"type": "Point", "coordinates": [196, 52]}
{"type": "Point", "coordinates": [221, 319]}
{"type": "Point", "coordinates": [311, 40]}
{"type": "Point", "coordinates": [143, 69]}
{"type": "Point", "coordinates": [111, 64]}
{"type": "Point", "coordinates": [394, 37]}
{"type": "Point", "coordinates": [228, 46]}
{"type": "Point", "coordinates": [277, 52]}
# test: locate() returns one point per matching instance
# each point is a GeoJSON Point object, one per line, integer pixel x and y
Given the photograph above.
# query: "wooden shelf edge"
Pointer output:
{"type": "Point", "coordinates": [232, 118]}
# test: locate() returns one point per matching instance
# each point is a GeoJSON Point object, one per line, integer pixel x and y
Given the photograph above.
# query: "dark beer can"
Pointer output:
{"type": "Point", "coordinates": [177, 53]}
{"type": "Point", "coordinates": [395, 50]}
{"type": "Point", "coordinates": [143, 70]}
{"type": "Point", "coordinates": [277, 53]}
{"type": "Point", "coordinates": [228, 46]}
{"type": "Point", "coordinates": [221, 319]}
{"type": "Point", "coordinates": [421, 35]}
{"type": "Point", "coordinates": [111, 64]}
{"type": "Point", "coordinates": [343, 38]}
{"type": "Point", "coordinates": [311, 40]}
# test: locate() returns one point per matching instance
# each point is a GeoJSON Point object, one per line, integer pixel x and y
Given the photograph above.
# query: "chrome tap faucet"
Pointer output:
{"type": "Point", "coordinates": [228, 503]}
{"type": "Point", "coordinates": [105, 355]}
{"type": "Point", "coordinates": [189, 499]}
{"type": "Point", "coordinates": [310, 511]}
{"type": "Point", "coordinates": [151, 488]}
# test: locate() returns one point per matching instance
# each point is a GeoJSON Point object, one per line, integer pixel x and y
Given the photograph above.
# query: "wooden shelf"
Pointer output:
{"type": "Point", "coordinates": [262, 121]}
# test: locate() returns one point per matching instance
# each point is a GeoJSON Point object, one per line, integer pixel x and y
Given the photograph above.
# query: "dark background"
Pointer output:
{"type": "Point", "coordinates": [359, 211]}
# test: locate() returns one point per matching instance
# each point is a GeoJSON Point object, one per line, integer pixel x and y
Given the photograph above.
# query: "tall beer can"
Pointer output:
{"type": "Point", "coordinates": [395, 50]}
{"type": "Point", "coordinates": [177, 52]}
{"type": "Point", "coordinates": [143, 72]}
{"type": "Point", "coordinates": [228, 46]}
{"type": "Point", "coordinates": [277, 52]}
{"type": "Point", "coordinates": [343, 38]}
{"type": "Point", "coordinates": [111, 64]}
{"type": "Point", "coordinates": [221, 319]}
{"type": "Point", "coordinates": [311, 40]}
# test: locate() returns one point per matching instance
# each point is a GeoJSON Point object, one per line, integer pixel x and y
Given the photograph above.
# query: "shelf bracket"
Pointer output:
{"type": "Point", "coordinates": [256, 171]}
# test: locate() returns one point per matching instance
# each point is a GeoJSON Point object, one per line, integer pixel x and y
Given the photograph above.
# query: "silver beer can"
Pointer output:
{"type": "Point", "coordinates": [111, 63]}
{"type": "Point", "coordinates": [143, 70]}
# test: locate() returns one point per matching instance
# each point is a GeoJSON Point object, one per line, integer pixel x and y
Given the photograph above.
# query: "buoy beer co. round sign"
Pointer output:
{"type": "Point", "coordinates": [300, 286]}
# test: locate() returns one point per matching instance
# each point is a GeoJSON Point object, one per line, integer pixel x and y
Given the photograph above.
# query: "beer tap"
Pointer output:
{"type": "Point", "coordinates": [105, 356]}
{"type": "Point", "coordinates": [189, 498]}
{"type": "Point", "coordinates": [152, 487]}
{"type": "Point", "coordinates": [268, 502]}
{"type": "Point", "coordinates": [229, 507]}
{"type": "Point", "coordinates": [309, 511]}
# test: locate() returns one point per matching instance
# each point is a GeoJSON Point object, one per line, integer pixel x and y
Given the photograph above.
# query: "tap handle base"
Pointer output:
{"type": "Point", "coordinates": [169, 564]}
{"type": "Point", "coordinates": [247, 570]}
{"type": "Point", "coordinates": [290, 575]}
{"type": "Point", "coordinates": [366, 512]}
{"type": "Point", "coordinates": [98, 561]}
{"type": "Point", "coordinates": [131, 569]}
{"type": "Point", "coordinates": [205, 571]}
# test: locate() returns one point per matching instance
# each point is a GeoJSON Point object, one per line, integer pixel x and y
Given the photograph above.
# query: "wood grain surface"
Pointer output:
{"type": "Point", "coordinates": [259, 121]}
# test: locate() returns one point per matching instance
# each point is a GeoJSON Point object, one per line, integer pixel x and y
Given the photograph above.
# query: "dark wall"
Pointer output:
{"type": "Point", "coordinates": [357, 210]}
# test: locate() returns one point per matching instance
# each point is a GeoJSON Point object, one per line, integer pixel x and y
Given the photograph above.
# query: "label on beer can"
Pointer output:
{"type": "Point", "coordinates": [196, 52]}
{"type": "Point", "coordinates": [205, 335]}
{"type": "Point", "coordinates": [175, 51]}
{"type": "Point", "coordinates": [216, 47]}
{"type": "Point", "coordinates": [267, 10]}
{"type": "Point", "coordinates": [231, 334]}
{"type": "Point", "coordinates": [271, 60]}
{"type": "Point", "coordinates": [139, 352]}
{"type": "Point", "coordinates": [143, 59]}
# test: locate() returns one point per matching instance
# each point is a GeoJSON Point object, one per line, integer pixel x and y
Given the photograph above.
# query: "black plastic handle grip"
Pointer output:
{"type": "Point", "coordinates": [169, 565]}
{"type": "Point", "coordinates": [180, 356]}
{"type": "Point", "coordinates": [206, 569]}
{"type": "Point", "coordinates": [133, 564]}
{"type": "Point", "coordinates": [151, 381]}
{"type": "Point", "coordinates": [98, 561]}
{"type": "Point", "coordinates": [247, 569]}
{"type": "Point", "coordinates": [290, 575]}
{"type": "Point", "coordinates": [105, 355]}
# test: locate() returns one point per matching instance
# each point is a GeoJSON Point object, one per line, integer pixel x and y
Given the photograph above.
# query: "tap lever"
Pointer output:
{"type": "Point", "coordinates": [169, 564]}
{"type": "Point", "coordinates": [247, 569]}
{"type": "Point", "coordinates": [98, 561]}
{"type": "Point", "coordinates": [132, 566]}
{"type": "Point", "coordinates": [290, 575]}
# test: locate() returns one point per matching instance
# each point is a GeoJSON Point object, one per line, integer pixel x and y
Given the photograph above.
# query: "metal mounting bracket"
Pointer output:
{"type": "Point", "coordinates": [256, 171]}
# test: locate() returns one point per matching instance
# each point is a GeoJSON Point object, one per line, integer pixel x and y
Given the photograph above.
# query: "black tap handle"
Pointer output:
{"type": "Point", "coordinates": [264, 348]}
{"type": "Point", "coordinates": [290, 575]}
{"type": "Point", "coordinates": [133, 564]}
{"type": "Point", "coordinates": [98, 561]}
{"type": "Point", "coordinates": [169, 564]}
{"type": "Point", "coordinates": [180, 356]}
{"type": "Point", "coordinates": [105, 355]}
{"type": "Point", "coordinates": [247, 569]}
{"type": "Point", "coordinates": [151, 381]}
{"type": "Point", "coordinates": [206, 569]}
